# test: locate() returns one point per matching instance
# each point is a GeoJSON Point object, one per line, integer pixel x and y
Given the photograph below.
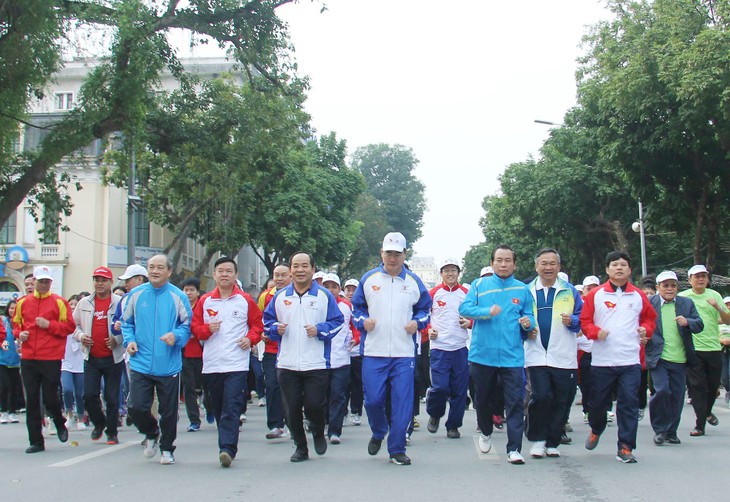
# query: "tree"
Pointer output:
{"type": "Point", "coordinates": [116, 95]}
{"type": "Point", "coordinates": [209, 149]}
{"type": "Point", "coordinates": [476, 258]}
{"type": "Point", "coordinates": [388, 173]}
{"type": "Point", "coordinates": [653, 92]}
{"type": "Point", "coordinates": [372, 227]}
{"type": "Point", "coordinates": [309, 207]}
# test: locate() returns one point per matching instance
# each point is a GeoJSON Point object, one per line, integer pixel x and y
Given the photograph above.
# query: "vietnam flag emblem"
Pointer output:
{"type": "Point", "coordinates": [287, 302]}
{"type": "Point", "coordinates": [516, 301]}
{"type": "Point", "coordinates": [211, 312]}
{"type": "Point", "coordinates": [376, 288]}
{"type": "Point", "coordinates": [610, 305]}
{"type": "Point", "coordinates": [441, 303]}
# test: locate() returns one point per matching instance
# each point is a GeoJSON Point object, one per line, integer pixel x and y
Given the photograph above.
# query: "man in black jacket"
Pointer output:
{"type": "Point", "coordinates": [668, 354]}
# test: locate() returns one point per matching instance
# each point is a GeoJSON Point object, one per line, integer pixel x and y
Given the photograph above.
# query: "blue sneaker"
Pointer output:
{"type": "Point", "coordinates": [209, 418]}
{"type": "Point", "coordinates": [193, 427]}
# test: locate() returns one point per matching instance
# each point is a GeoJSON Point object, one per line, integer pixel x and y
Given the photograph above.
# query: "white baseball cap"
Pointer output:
{"type": "Point", "coordinates": [485, 271]}
{"type": "Point", "coordinates": [665, 276]}
{"type": "Point", "coordinates": [564, 276]}
{"type": "Point", "coordinates": [133, 271]}
{"type": "Point", "coordinates": [331, 278]}
{"type": "Point", "coordinates": [394, 241]}
{"type": "Point", "coordinates": [697, 269]}
{"type": "Point", "coordinates": [591, 280]}
{"type": "Point", "coordinates": [726, 299]}
{"type": "Point", "coordinates": [450, 261]}
{"type": "Point", "coordinates": [579, 287]}
{"type": "Point", "coordinates": [42, 272]}
{"type": "Point", "coordinates": [352, 282]}
{"type": "Point", "coordinates": [317, 275]}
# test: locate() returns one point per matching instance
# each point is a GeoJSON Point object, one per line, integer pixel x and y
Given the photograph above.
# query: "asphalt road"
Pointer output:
{"type": "Point", "coordinates": [443, 469]}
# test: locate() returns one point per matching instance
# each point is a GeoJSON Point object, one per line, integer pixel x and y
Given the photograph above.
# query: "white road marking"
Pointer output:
{"type": "Point", "coordinates": [492, 455]}
{"type": "Point", "coordinates": [94, 454]}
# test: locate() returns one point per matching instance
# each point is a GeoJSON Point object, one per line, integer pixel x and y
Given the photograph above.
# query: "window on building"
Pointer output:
{"type": "Point", "coordinates": [141, 228]}
{"type": "Point", "coordinates": [64, 100]}
{"type": "Point", "coordinates": [7, 232]}
{"type": "Point", "coordinates": [51, 226]}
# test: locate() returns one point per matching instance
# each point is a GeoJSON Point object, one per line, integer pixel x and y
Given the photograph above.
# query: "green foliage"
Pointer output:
{"type": "Point", "coordinates": [476, 258]}
{"type": "Point", "coordinates": [372, 224]}
{"type": "Point", "coordinates": [654, 90]}
{"type": "Point", "coordinates": [309, 207]}
{"type": "Point", "coordinates": [117, 94]}
{"type": "Point", "coordinates": [388, 173]}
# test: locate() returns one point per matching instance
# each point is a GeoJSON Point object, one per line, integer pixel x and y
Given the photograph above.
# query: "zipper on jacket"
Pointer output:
{"type": "Point", "coordinates": [390, 338]}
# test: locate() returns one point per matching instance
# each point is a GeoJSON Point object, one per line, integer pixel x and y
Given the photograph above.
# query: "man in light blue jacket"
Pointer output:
{"type": "Point", "coordinates": [502, 309]}
{"type": "Point", "coordinates": [156, 326]}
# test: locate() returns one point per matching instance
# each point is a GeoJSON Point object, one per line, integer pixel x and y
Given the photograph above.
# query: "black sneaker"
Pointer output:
{"type": "Point", "coordinates": [112, 439]}
{"type": "Point", "coordinates": [433, 425]}
{"type": "Point", "coordinates": [565, 439]}
{"type": "Point", "coordinates": [35, 448]}
{"type": "Point", "coordinates": [659, 439]}
{"type": "Point", "coordinates": [320, 444]}
{"type": "Point", "coordinates": [453, 434]}
{"type": "Point", "coordinates": [62, 433]}
{"type": "Point", "coordinates": [96, 433]}
{"type": "Point", "coordinates": [673, 439]}
{"type": "Point", "coordinates": [374, 446]}
{"type": "Point", "coordinates": [400, 459]}
{"type": "Point", "coordinates": [300, 455]}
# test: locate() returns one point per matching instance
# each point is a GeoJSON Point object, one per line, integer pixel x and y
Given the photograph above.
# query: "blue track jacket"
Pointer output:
{"type": "Point", "coordinates": [147, 314]}
{"type": "Point", "coordinates": [497, 341]}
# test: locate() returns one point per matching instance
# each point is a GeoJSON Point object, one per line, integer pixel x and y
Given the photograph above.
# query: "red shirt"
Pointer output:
{"type": "Point", "coordinates": [100, 328]}
{"type": "Point", "coordinates": [193, 349]}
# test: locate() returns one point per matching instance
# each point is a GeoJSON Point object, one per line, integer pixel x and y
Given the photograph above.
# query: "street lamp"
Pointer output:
{"type": "Point", "coordinates": [638, 227]}
{"type": "Point", "coordinates": [547, 122]}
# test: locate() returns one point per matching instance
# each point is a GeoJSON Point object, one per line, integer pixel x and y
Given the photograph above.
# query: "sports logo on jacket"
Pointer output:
{"type": "Point", "coordinates": [609, 305]}
{"type": "Point", "coordinates": [211, 312]}
{"type": "Point", "coordinates": [516, 301]}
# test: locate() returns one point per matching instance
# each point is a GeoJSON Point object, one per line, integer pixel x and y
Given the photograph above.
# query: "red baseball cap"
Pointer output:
{"type": "Point", "coordinates": [103, 272]}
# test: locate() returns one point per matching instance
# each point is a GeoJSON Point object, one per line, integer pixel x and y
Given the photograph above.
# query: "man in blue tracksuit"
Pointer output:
{"type": "Point", "coordinates": [390, 305]}
{"type": "Point", "coordinates": [156, 326]}
{"type": "Point", "coordinates": [502, 309]}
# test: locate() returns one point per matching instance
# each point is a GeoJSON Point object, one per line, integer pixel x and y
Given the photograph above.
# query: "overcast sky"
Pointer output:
{"type": "Point", "coordinates": [460, 82]}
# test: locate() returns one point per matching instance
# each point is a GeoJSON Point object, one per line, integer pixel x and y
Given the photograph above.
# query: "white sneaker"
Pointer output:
{"type": "Point", "coordinates": [166, 458]}
{"type": "Point", "coordinates": [335, 439]}
{"type": "Point", "coordinates": [514, 457]}
{"type": "Point", "coordinates": [242, 419]}
{"type": "Point", "coordinates": [538, 449]}
{"type": "Point", "coordinates": [585, 418]}
{"type": "Point", "coordinates": [80, 425]}
{"type": "Point", "coordinates": [408, 438]}
{"type": "Point", "coordinates": [277, 433]}
{"type": "Point", "coordinates": [485, 443]}
{"type": "Point", "coordinates": [610, 416]}
{"type": "Point", "coordinates": [150, 447]}
{"type": "Point", "coordinates": [641, 414]}
{"type": "Point", "coordinates": [261, 402]}
{"type": "Point", "coordinates": [552, 452]}
{"type": "Point", "coordinates": [4, 418]}
{"type": "Point", "coordinates": [13, 418]}
{"type": "Point", "coordinates": [355, 419]}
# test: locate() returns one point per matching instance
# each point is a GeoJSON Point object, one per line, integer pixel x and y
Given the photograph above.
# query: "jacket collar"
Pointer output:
{"type": "Point", "coordinates": [402, 274]}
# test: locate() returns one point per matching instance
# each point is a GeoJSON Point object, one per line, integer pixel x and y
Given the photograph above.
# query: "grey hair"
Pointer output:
{"type": "Point", "coordinates": [546, 251]}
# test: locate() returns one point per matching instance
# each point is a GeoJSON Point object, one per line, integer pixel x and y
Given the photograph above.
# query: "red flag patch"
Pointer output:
{"type": "Point", "coordinates": [516, 301]}
{"type": "Point", "coordinates": [441, 303]}
{"type": "Point", "coordinates": [610, 305]}
{"type": "Point", "coordinates": [211, 312]}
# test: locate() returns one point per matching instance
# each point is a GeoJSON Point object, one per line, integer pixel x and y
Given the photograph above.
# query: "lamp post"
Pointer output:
{"type": "Point", "coordinates": [638, 226]}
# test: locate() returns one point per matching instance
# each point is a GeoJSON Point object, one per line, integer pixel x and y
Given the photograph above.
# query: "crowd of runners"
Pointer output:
{"type": "Point", "coordinates": [317, 351]}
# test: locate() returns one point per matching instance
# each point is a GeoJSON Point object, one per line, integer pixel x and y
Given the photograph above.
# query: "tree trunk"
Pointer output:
{"type": "Point", "coordinates": [198, 272]}
{"type": "Point", "coordinates": [699, 228]}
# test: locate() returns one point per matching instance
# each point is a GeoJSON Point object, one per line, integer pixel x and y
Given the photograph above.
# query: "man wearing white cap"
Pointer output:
{"type": "Point", "coordinates": [354, 393]}
{"type": "Point", "coordinates": [669, 352]}
{"type": "Point", "coordinates": [45, 320]}
{"type": "Point", "coordinates": [704, 379]}
{"type": "Point", "coordinates": [486, 272]}
{"type": "Point", "coordinates": [103, 354]}
{"type": "Point", "coordinates": [339, 361]}
{"type": "Point", "coordinates": [590, 283]}
{"type": "Point", "coordinates": [449, 356]}
{"type": "Point", "coordinates": [390, 305]}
